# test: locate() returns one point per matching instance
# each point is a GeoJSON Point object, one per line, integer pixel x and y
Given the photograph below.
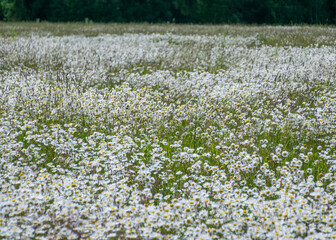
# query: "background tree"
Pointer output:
{"type": "Point", "coordinates": [7, 10]}
{"type": "Point", "coordinates": [180, 11]}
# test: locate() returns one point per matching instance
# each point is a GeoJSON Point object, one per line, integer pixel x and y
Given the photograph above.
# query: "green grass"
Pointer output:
{"type": "Point", "coordinates": [300, 35]}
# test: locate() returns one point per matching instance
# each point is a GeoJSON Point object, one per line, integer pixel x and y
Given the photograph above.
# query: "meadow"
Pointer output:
{"type": "Point", "coordinates": [140, 131]}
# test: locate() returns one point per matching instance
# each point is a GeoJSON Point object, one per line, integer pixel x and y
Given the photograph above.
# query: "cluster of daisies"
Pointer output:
{"type": "Point", "coordinates": [164, 136]}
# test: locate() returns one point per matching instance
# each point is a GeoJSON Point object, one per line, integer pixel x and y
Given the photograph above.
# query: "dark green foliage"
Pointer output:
{"type": "Point", "coordinates": [181, 11]}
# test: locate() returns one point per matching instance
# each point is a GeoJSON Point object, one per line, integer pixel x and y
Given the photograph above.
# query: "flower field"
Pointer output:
{"type": "Point", "coordinates": [167, 132]}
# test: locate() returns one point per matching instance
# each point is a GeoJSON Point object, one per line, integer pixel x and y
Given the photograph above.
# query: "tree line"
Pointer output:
{"type": "Point", "coordinates": [179, 11]}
